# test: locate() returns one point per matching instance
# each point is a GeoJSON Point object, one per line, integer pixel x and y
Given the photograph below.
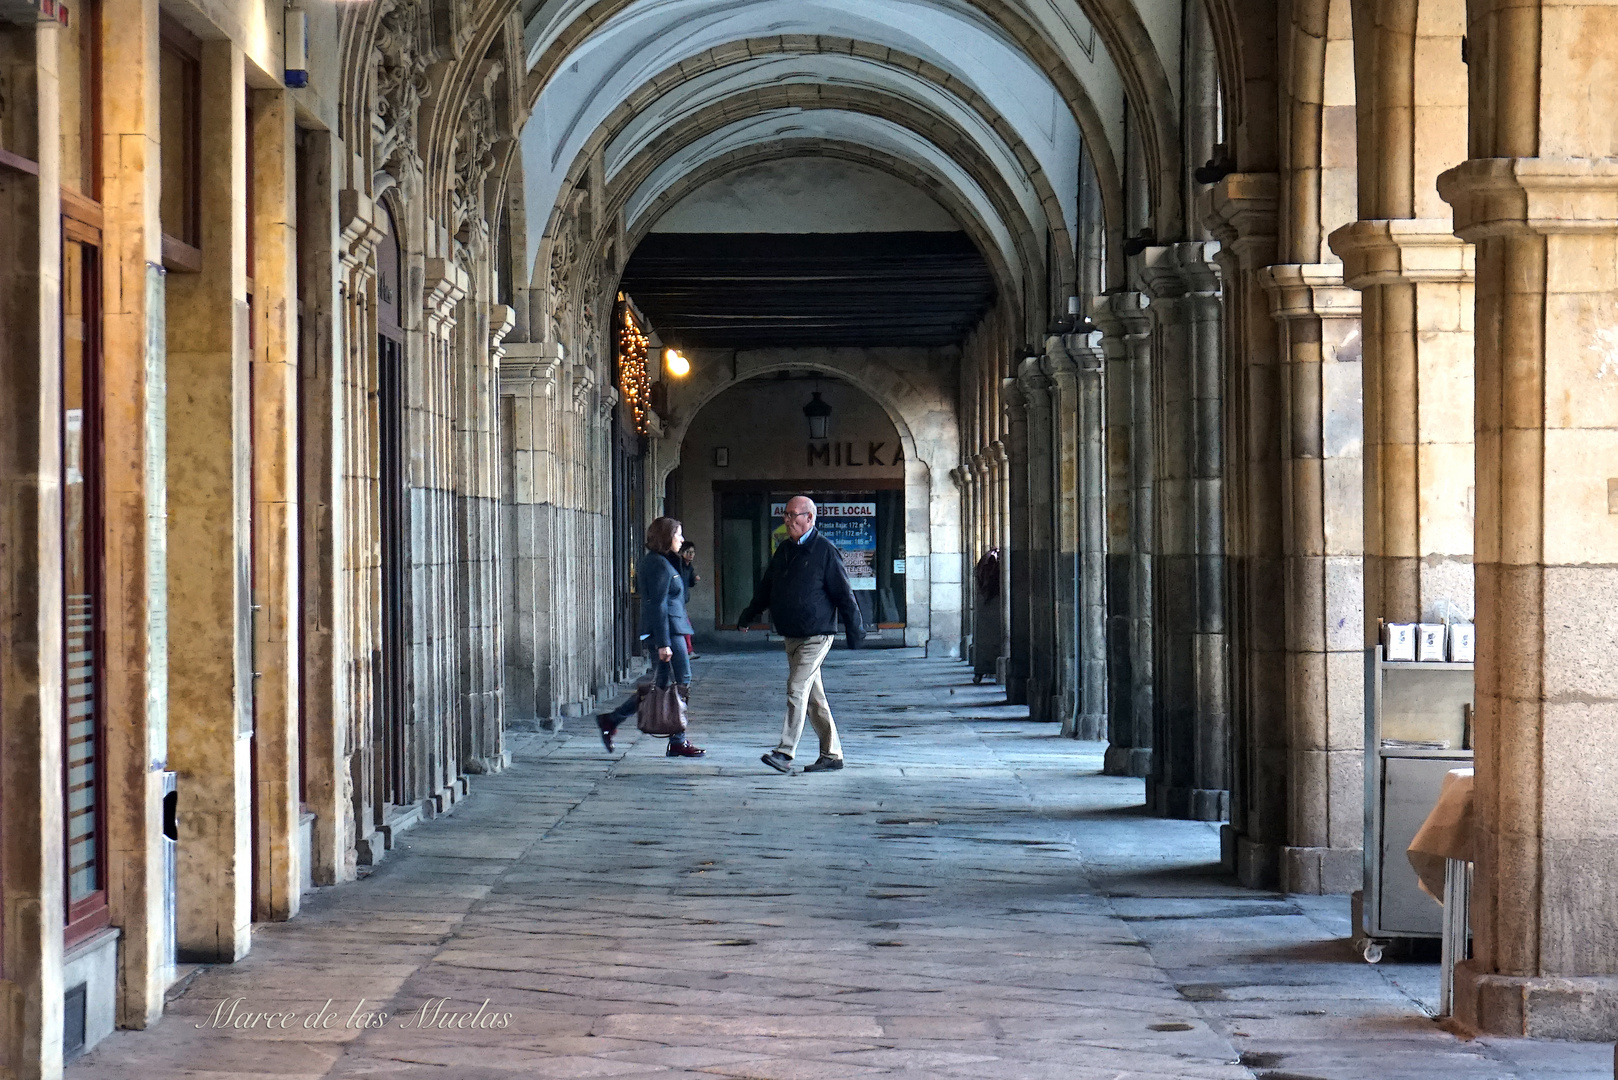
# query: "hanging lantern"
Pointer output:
{"type": "Point", "coordinates": [819, 414]}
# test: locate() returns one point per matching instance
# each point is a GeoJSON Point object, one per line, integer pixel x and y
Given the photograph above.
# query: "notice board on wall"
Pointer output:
{"type": "Point", "coordinates": [849, 525]}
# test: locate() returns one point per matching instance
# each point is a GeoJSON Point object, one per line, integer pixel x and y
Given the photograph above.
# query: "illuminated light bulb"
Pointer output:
{"type": "Point", "coordinates": [678, 365]}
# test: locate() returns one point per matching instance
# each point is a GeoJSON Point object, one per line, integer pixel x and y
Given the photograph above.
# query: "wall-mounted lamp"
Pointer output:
{"type": "Point", "coordinates": [297, 46]}
{"type": "Point", "coordinates": [819, 414]}
{"type": "Point", "coordinates": [677, 364]}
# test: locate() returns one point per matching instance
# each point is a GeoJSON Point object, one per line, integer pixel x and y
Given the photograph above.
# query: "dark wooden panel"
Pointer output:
{"type": "Point", "coordinates": [753, 291]}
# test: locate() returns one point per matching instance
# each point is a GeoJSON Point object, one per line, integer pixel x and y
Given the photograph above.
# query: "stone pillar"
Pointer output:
{"type": "Point", "coordinates": [1190, 775]}
{"type": "Point", "coordinates": [326, 265]}
{"type": "Point", "coordinates": [1126, 337]}
{"type": "Point", "coordinates": [31, 670]}
{"type": "Point", "coordinates": [1416, 277]}
{"type": "Point", "coordinates": [1013, 454]}
{"type": "Point", "coordinates": [1074, 367]}
{"type": "Point", "coordinates": [135, 583]}
{"type": "Point", "coordinates": [1323, 533]}
{"type": "Point", "coordinates": [1035, 391]}
{"type": "Point", "coordinates": [434, 540]}
{"type": "Point", "coordinates": [209, 479]}
{"type": "Point", "coordinates": [1060, 370]}
{"type": "Point", "coordinates": [277, 846]}
{"type": "Point", "coordinates": [1545, 956]}
{"type": "Point", "coordinates": [528, 388]}
{"type": "Point", "coordinates": [1241, 211]}
{"type": "Point", "coordinates": [359, 743]}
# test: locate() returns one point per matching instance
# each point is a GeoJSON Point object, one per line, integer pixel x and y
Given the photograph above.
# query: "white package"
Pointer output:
{"type": "Point", "coordinates": [1463, 643]}
{"type": "Point", "coordinates": [1400, 641]}
{"type": "Point", "coordinates": [1430, 642]}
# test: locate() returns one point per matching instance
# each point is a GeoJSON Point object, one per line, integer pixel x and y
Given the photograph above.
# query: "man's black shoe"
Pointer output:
{"type": "Point", "coordinates": [824, 764]}
{"type": "Point", "coordinates": [777, 761]}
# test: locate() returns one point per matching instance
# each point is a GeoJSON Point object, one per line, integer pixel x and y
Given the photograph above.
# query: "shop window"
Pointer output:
{"type": "Point", "coordinates": [83, 721]}
{"type": "Point", "coordinates": [180, 135]}
{"type": "Point", "coordinates": [79, 62]}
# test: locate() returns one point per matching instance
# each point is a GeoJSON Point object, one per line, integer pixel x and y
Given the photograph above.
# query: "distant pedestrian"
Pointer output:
{"type": "Point", "coordinates": [663, 626]}
{"type": "Point", "coordinates": [806, 588]}
{"type": "Point", "coordinates": [688, 570]}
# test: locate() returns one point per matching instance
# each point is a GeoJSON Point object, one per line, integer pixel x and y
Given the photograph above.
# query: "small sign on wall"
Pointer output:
{"type": "Point", "coordinates": [721, 457]}
{"type": "Point", "coordinates": [898, 566]}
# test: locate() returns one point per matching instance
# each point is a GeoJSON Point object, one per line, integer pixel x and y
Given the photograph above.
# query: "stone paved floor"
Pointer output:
{"type": "Point", "coordinates": [968, 899]}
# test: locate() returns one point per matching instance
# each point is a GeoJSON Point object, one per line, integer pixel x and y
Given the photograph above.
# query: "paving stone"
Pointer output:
{"type": "Point", "coordinates": [969, 898]}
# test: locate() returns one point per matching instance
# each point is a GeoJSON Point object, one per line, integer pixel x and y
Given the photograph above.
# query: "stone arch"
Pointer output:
{"type": "Point", "coordinates": [752, 49]}
{"type": "Point", "coordinates": [1128, 44]}
{"type": "Point", "coordinates": [925, 419]}
{"type": "Point", "coordinates": [726, 112]}
{"type": "Point", "coordinates": [1005, 277]}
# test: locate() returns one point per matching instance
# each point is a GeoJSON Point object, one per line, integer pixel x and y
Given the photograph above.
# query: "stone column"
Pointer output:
{"type": "Point", "coordinates": [1190, 775]}
{"type": "Point", "coordinates": [1241, 211]}
{"type": "Point", "coordinates": [1126, 337]}
{"type": "Point", "coordinates": [326, 265]}
{"type": "Point", "coordinates": [1035, 391]}
{"type": "Point", "coordinates": [1091, 572]}
{"type": "Point", "coordinates": [1546, 233]}
{"type": "Point", "coordinates": [1060, 369]}
{"type": "Point", "coordinates": [31, 669]}
{"type": "Point", "coordinates": [135, 478]}
{"type": "Point", "coordinates": [209, 479]}
{"type": "Point", "coordinates": [359, 740]}
{"type": "Point", "coordinates": [1416, 277]}
{"type": "Point", "coordinates": [277, 845]}
{"type": "Point", "coordinates": [1013, 455]}
{"type": "Point", "coordinates": [1323, 531]}
{"type": "Point", "coordinates": [435, 540]}
{"type": "Point", "coordinates": [1074, 367]}
{"type": "Point", "coordinates": [1000, 510]}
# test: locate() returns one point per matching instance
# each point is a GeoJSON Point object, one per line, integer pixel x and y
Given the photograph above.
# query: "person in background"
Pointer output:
{"type": "Point", "coordinates": [806, 588]}
{"type": "Point", "coordinates": [688, 571]}
{"type": "Point", "coordinates": [663, 626]}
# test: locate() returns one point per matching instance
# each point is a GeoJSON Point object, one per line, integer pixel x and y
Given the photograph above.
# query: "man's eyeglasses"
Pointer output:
{"type": "Point", "coordinates": [790, 514]}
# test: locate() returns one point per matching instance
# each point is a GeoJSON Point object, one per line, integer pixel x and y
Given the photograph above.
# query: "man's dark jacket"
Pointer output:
{"type": "Point", "coordinates": [806, 588]}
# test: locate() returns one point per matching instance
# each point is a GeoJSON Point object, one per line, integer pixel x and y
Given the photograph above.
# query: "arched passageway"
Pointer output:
{"type": "Point", "coordinates": [1186, 353]}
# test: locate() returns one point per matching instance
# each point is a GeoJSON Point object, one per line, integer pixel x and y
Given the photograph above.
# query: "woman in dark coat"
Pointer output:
{"type": "Point", "coordinates": [663, 626]}
{"type": "Point", "coordinates": [688, 570]}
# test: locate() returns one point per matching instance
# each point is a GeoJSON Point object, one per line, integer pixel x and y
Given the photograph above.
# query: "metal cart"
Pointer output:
{"type": "Point", "coordinates": [1417, 728]}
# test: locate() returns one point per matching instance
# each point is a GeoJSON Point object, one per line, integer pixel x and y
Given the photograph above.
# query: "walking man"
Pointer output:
{"type": "Point", "coordinates": [806, 588]}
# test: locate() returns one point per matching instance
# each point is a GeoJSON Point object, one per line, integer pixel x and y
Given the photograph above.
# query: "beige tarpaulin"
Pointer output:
{"type": "Point", "coordinates": [1446, 834]}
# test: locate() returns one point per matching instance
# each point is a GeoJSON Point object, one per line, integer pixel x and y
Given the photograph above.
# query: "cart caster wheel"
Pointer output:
{"type": "Point", "coordinates": [977, 680]}
{"type": "Point", "coordinates": [1372, 952]}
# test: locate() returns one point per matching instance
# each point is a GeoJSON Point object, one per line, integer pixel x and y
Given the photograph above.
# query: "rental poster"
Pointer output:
{"type": "Point", "coordinates": [849, 525]}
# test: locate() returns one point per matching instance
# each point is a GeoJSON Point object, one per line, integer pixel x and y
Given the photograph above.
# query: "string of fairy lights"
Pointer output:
{"type": "Point", "coordinates": [635, 366]}
{"type": "Point", "coordinates": [634, 374]}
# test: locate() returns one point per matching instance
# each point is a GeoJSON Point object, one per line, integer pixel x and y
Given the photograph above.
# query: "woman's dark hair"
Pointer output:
{"type": "Point", "coordinates": [660, 534]}
{"type": "Point", "coordinates": [687, 546]}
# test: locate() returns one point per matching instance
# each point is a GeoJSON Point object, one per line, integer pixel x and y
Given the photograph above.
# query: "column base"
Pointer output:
{"type": "Point", "coordinates": [1257, 865]}
{"type": "Point", "coordinates": [1582, 1008]}
{"type": "Point", "coordinates": [1127, 761]}
{"type": "Point", "coordinates": [1318, 871]}
{"type": "Point", "coordinates": [1089, 727]}
{"type": "Point", "coordinates": [943, 648]}
{"type": "Point", "coordinates": [1188, 804]}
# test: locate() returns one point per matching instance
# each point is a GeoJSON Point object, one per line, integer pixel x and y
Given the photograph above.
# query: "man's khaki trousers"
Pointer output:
{"type": "Point", "coordinates": [806, 695]}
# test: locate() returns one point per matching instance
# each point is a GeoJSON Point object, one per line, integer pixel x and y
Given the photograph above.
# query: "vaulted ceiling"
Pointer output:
{"type": "Point", "coordinates": [986, 106]}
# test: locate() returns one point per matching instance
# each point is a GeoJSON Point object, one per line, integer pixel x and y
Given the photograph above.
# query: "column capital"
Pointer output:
{"type": "Point", "coordinates": [1175, 270]}
{"type": "Point", "coordinates": [1309, 290]}
{"type": "Point", "coordinates": [584, 379]}
{"type": "Point", "coordinates": [1241, 212]}
{"type": "Point", "coordinates": [1505, 196]}
{"type": "Point", "coordinates": [1032, 381]}
{"type": "Point", "coordinates": [1122, 314]}
{"type": "Point", "coordinates": [360, 228]}
{"type": "Point", "coordinates": [446, 285]}
{"type": "Point", "coordinates": [1070, 354]}
{"type": "Point", "coordinates": [530, 367]}
{"type": "Point", "coordinates": [502, 320]}
{"type": "Point", "coordinates": [1403, 251]}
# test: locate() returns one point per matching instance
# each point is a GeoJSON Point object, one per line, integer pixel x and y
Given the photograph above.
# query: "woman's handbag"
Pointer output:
{"type": "Point", "coordinates": [662, 711]}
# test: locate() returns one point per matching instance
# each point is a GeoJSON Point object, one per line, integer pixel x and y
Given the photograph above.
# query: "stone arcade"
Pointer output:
{"type": "Point", "coordinates": [1236, 327]}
